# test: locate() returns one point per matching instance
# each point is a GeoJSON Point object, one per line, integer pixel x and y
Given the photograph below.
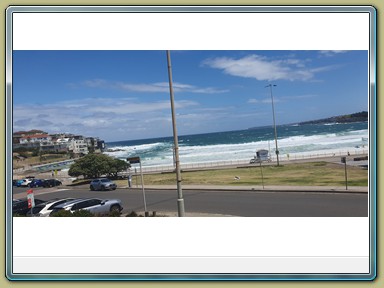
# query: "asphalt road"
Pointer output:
{"type": "Point", "coordinates": [231, 203]}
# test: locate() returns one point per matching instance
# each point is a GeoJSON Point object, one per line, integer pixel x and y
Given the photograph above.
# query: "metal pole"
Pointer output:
{"type": "Point", "coordinates": [142, 188]}
{"type": "Point", "coordinates": [262, 176]}
{"type": "Point", "coordinates": [346, 178]}
{"type": "Point", "coordinates": [137, 184]}
{"type": "Point", "coordinates": [274, 123]}
{"type": "Point", "coordinates": [180, 200]}
{"type": "Point", "coordinates": [128, 174]}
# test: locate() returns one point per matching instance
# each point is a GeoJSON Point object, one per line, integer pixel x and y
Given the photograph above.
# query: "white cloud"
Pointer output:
{"type": "Point", "coordinates": [253, 101]}
{"type": "Point", "coordinates": [100, 117]}
{"type": "Point", "coordinates": [264, 69]}
{"type": "Point", "coordinates": [330, 53]}
{"type": "Point", "coordinates": [157, 87]}
{"type": "Point", "coordinates": [280, 99]}
{"type": "Point", "coordinates": [263, 101]}
{"type": "Point", "coordinates": [298, 97]}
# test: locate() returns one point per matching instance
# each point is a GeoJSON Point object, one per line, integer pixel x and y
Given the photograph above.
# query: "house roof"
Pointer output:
{"type": "Point", "coordinates": [35, 136]}
{"type": "Point", "coordinates": [33, 132]}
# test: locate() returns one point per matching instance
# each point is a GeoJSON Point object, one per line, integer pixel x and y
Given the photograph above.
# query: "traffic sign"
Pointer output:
{"type": "Point", "coordinates": [31, 198]}
{"type": "Point", "coordinates": [133, 160]}
{"type": "Point", "coordinates": [136, 160]}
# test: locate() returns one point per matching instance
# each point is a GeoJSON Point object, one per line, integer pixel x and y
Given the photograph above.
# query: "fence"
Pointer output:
{"type": "Point", "coordinates": [206, 165]}
{"type": "Point", "coordinates": [240, 162]}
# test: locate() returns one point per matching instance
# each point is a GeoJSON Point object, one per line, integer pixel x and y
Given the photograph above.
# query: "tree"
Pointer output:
{"type": "Point", "coordinates": [95, 165]}
{"type": "Point", "coordinates": [117, 166]}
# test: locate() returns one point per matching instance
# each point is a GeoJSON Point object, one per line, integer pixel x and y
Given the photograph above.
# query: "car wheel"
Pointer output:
{"type": "Point", "coordinates": [115, 208]}
{"type": "Point", "coordinates": [91, 187]}
{"type": "Point", "coordinates": [102, 188]}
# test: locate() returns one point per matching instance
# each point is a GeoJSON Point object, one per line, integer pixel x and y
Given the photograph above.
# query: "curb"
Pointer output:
{"type": "Point", "coordinates": [258, 190]}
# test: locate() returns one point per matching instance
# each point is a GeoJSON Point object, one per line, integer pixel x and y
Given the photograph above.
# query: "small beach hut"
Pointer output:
{"type": "Point", "coordinates": [262, 155]}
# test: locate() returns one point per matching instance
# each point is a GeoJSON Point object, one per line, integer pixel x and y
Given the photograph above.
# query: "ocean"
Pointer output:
{"type": "Point", "coordinates": [294, 141]}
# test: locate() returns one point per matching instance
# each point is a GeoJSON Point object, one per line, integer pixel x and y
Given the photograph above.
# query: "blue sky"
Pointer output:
{"type": "Point", "coordinates": [124, 95]}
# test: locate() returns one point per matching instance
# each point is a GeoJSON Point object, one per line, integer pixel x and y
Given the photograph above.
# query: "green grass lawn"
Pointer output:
{"type": "Point", "coordinates": [37, 160]}
{"type": "Point", "coordinates": [300, 174]}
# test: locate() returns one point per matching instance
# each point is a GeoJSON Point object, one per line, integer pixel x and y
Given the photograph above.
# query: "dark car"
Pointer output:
{"type": "Point", "coordinates": [51, 183]}
{"type": "Point", "coordinates": [36, 183]}
{"type": "Point", "coordinates": [102, 184]}
{"type": "Point", "coordinates": [20, 207]}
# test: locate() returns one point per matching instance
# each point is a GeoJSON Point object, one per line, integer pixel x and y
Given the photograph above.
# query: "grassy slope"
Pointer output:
{"type": "Point", "coordinates": [305, 174]}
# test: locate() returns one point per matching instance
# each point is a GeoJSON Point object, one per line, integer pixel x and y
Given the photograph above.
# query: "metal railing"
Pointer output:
{"type": "Point", "coordinates": [239, 162]}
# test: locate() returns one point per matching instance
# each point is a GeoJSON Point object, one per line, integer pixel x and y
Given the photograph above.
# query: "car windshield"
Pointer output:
{"type": "Point", "coordinates": [105, 180]}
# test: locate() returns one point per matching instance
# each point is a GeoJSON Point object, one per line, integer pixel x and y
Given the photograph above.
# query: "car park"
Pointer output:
{"type": "Point", "coordinates": [44, 209]}
{"type": "Point", "coordinates": [51, 183]}
{"type": "Point", "coordinates": [20, 206]}
{"type": "Point", "coordinates": [93, 205]}
{"type": "Point", "coordinates": [102, 184]}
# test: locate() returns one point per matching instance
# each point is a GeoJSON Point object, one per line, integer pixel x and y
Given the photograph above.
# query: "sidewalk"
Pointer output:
{"type": "Point", "coordinates": [323, 189]}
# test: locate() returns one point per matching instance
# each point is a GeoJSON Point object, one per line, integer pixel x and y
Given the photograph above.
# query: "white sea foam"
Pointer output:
{"type": "Point", "coordinates": [161, 153]}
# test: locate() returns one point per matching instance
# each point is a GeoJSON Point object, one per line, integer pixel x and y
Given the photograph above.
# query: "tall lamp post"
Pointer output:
{"type": "Point", "coordinates": [274, 122]}
{"type": "Point", "coordinates": [180, 200]}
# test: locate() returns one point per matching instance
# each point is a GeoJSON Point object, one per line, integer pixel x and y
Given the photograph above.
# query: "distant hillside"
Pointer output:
{"type": "Point", "coordinates": [349, 118]}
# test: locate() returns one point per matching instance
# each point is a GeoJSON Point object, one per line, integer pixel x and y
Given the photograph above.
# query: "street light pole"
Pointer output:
{"type": "Point", "coordinates": [180, 200]}
{"type": "Point", "coordinates": [274, 122]}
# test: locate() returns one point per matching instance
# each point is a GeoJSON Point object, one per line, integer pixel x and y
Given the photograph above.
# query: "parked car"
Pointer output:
{"type": "Point", "coordinates": [36, 183]}
{"type": "Point", "coordinates": [20, 207]}
{"type": "Point", "coordinates": [93, 205]}
{"type": "Point", "coordinates": [44, 209]}
{"type": "Point", "coordinates": [23, 182]}
{"type": "Point", "coordinates": [18, 182]}
{"type": "Point", "coordinates": [51, 183]}
{"type": "Point", "coordinates": [102, 184]}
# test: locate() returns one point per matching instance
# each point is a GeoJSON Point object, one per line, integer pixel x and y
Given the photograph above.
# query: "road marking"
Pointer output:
{"type": "Point", "coordinates": [49, 191]}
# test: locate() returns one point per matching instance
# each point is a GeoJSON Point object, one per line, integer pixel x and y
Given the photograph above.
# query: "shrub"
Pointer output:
{"type": "Point", "coordinates": [82, 213]}
{"type": "Point", "coordinates": [62, 213]}
{"type": "Point", "coordinates": [114, 214]}
{"type": "Point", "coordinates": [132, 214]}
{"type": "Point", "coordinates": [78, 213]}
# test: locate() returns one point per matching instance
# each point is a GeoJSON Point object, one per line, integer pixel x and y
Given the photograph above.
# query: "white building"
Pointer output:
{"type": "Point", "coordinates": [35, 139]}
{"type": "Point", "coordinates": [78, 146]}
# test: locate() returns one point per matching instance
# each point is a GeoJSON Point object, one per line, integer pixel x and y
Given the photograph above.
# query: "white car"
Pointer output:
{"type": "Point", "coordinates": [93, 205]}
{"type": "Point", "coordinates": [44, 209]}
{"type": "Point", "coordinates": [25, 182]}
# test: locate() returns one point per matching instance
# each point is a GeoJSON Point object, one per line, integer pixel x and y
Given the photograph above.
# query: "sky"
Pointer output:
{"type": "Point", "coordinates": [124, 95]}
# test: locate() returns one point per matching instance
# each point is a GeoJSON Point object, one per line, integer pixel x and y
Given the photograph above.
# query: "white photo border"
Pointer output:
{"type": "Point", "coordinates": [64, 41]}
